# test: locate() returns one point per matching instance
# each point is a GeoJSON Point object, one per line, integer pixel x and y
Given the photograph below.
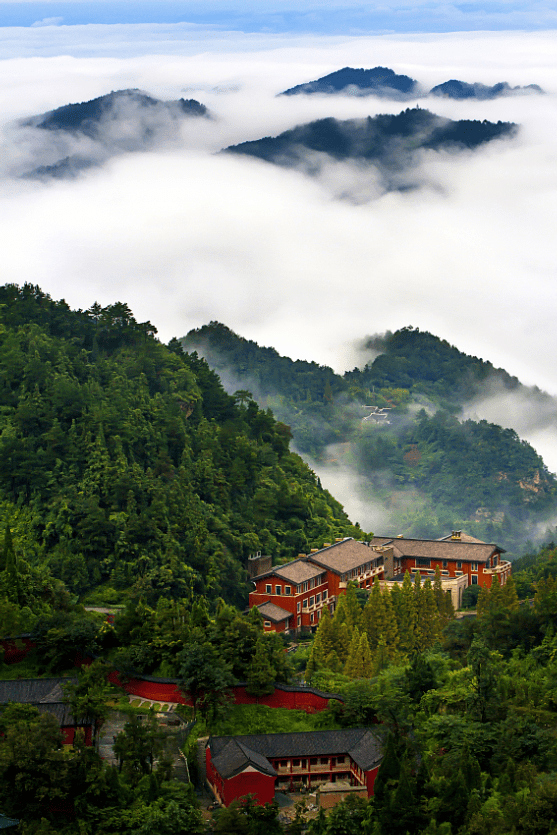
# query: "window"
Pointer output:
{"type": "Point", "coordinates": [311, 584]}
{"type": "Point", "coordinates": [422, 562]}
{"type": "Point", "coordinates": [283, 763]}
{"type": "Point", "coordinates": [288, 589]}
{"type": "Point", "coordinates": [268, 589]}
{"type": "Point", "coordinates": [298, 606]}
{"type": "Point", "coordinates": [278, 589]}
{"type": "Point", "coordinates": [299, 620]}
{"type": "Point", "coordinates": [325, 594]}
{"type": "Point", "coordinates": [313, 761]}
{"type": "Point", "coordinates": [340, 760]}
{"type": "Point", "coordinates": [305, 604]}
{"type": "Point", "coordinates": [311, 618]}
{"type": "Point", "coordinates": [298, 589]}
{"type": "Point", "coordinates": [312, 601]}
{"type": "Point", "coordinates": [445, 563]}
{"type": "Point", "coordinates": [459, 564]}
{"type": "Point", "coordinates": [267, 623]}
{"type": "Point", "coordinates": [474, 566]}
{"type": "Point", "coordinates": [474, 580]}
{"type": "Point", "coordinates": [317, 598]}
{"type": "Point", "coordinates": [324, 761]}
{"type": "Point", "coordinates": [296, 763]}
{"type": "Point", "coordinates": [319, 614]}
{"type": "Point", "coordinates": [305, 586]}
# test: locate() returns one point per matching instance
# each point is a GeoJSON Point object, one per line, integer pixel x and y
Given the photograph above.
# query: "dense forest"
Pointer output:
{"type": "Point", "coordinates": [125, 465]}
{"type": "Point", "coordinates": [431, 469]}
{"type": "Point", "coordinates": [466, 710]}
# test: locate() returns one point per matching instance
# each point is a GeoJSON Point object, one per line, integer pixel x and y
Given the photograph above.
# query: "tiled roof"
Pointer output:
{"type": "Point", "coordinates": [274, 613]}
{"type": "Point", "coordinates": [297, 571]}
{"type": "Point", "coordinates": [46, 694]}
{"type": "Point", "coordinates": [343, 556]}
{"type": "Point", "coordinates": [437, 549]}
{"type": "Point", "coordinates": [235, 757]}
{"type": "Point", "coordinates": [7, 823]}
{"type": "Point", "coordinates": [361, 744]}
{"type": "Point", "coordinates": [33, 690]}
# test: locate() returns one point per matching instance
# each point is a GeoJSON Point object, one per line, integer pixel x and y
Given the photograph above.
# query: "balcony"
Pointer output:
{"type": "Point", "coordinates": [504, 565]}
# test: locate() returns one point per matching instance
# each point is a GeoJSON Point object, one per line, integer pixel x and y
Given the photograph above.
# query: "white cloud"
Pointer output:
{"type": "Point", "coordinates": [185, 236]}
{"type": "Point", "coordinates": [48, 21]}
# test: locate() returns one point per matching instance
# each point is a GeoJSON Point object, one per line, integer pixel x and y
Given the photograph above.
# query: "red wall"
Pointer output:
{"type": "Point", "coordinates": [370, 780]}
{"type": "Point", "coordinates": [15, 649]}
{"type": "Point", "coordinates": [68, 735]}
{"type": "Point", "coordinates": [262, 786]}
{"type": "Point", "coordinates": [303, 699]}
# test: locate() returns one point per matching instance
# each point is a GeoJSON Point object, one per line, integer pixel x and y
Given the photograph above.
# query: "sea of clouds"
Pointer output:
{"type": "Point", "coordinates": [186, 235]}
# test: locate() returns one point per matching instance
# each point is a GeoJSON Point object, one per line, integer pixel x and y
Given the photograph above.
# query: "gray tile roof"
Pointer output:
{"type": "Point", "coordinates": [235, 757]}
{"type": "Point", "coordinates": [361, 744]}
{"type": "Point", "coordinates": [343, 556]}
{"type": "Point", "coordinates": [7, 823]}
{"type": "Point", "coordinates": [297, 571]}
{"type": "Point", "coordinates": [438, 549]}
{"type": "Point", "coordinates": [274, 613]}
{"type": "Point", "coordinates": [33, 690]}
{"type": "Point", "coordinates": [46, 694]}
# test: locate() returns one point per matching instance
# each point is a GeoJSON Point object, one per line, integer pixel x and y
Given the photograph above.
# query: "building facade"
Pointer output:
{"type": "Point", "coordinates": [291, 597]}
{"type": "Point", "coordinates": [259, 764]}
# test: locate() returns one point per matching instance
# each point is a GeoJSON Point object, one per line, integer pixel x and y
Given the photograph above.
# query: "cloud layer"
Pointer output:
{"type": "Point", "coordinates": [185, 236]}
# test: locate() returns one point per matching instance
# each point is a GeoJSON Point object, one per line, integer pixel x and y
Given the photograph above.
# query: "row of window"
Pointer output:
{"type": "Point", "coordinates": [302, 763]}
{"type": "Point", "coordinates": [309, 584]}
{"type": "Point", "coordinates": [361, 569]}
{"type": "Point", "coordinates": [424, 562]}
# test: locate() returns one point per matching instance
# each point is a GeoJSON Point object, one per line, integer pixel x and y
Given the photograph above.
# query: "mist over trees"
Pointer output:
{"type": "Point", "coordinates": [431, 469]}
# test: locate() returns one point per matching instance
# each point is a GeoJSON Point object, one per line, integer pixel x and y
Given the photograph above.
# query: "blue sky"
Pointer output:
{"type": "Point", "coordinates": [284, 16]}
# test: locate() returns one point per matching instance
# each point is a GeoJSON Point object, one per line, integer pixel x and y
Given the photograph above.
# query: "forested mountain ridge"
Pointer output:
{"type": "Point", "coordinates": [432, 470]}
{"type": "Point", "coordinates": [388, 140]}
{"type": "Point", "coordinates": [125, 463]}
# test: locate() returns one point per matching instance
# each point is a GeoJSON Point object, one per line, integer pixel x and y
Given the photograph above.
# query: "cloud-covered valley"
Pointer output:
{"type": "Point", "coordinates": [186, 235]}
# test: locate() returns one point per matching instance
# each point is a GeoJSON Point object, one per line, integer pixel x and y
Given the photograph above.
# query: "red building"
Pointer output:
{"type": "Point", "coordinates": [455, 555]}
{"type": "Point", "coordinates": [291, 597]}
{"type": "Point", "coordinates": [241, 765]}
{"type": "Point", "coordinates": [47, 695]}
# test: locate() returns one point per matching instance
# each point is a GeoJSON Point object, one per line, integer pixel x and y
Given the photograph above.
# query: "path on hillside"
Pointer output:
{"type": "Point", "coordinates": [115, 723]}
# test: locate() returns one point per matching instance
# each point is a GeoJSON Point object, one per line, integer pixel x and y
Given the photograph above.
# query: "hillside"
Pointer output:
{"type": "Point", "coordinates": [389, 142]}
{"type": "Point", "coordinates": [125, 463]}
{"type": "Point", "coordinates": [384, 82]}
{"type": "Point", "coordinates": [379, 81]}
{"type": "Point", "coordinates": [88, 133]}
{"type": "Point", "coordinates": [430, 469]}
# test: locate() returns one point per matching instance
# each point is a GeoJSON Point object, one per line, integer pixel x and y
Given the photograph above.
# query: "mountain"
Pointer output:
{"type": "Point", "coordinates": [389, 142]}
{"type": "Point", "coordinates": [88, 117]}
{"type": "Point", "coordinates": [93, 131]}
{"type": "Point", "coordinates": [411, 450]}
{"type": "Point", "coordinates": [379, 81]}
{"type": "Point", "coordinates": [462, 90]}
{"type": "Point", "coordinates": [384, 82]}
{"type": "Point", "coordinates": [124, 463]}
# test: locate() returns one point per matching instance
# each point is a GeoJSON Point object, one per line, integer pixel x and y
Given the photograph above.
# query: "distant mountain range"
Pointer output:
{"type": "Point", "coordinates": [389, 142]}
{"type": "Point", "coordinates": [384, 82]}
{"type": "Point", "coordinates": [83, 135]}
{"type": "Point", "coordinates": [119, 122]}
{"type": "Point", "coordinates": [380, 81]}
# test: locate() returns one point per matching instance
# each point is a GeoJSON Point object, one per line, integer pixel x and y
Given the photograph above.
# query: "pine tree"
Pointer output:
{"type": "Point", "coordinates": [10, 562]}
{"type": "Point", "coordinates": [373, 615]}
{"type": "Point", "coordinates": [389, 630]}
{"type": "Point", "coordinates": [352, 665]}
{"type": "Point", "coordinates": [509, 596]}
{"type": "Point", "coordinates": [429, 626]}
{"type": "Point", "coordinates": [366, 661]}
{"type": "Point", "coordinates": [407, 617]}
{"type": "Point", "coordinates": [261, 673]}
